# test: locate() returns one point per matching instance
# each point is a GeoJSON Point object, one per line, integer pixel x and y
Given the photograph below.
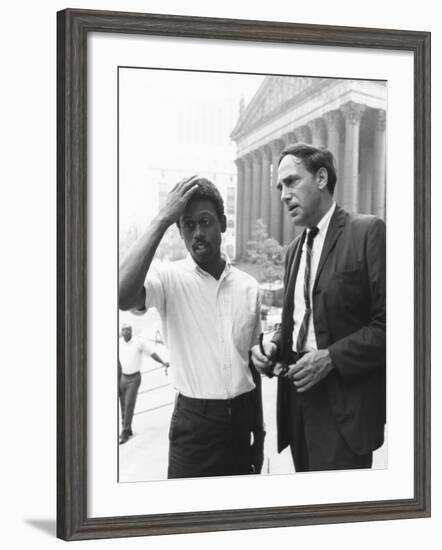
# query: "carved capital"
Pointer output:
{"type": "Point", "coordinates": [316, 125]}
{"type": "Point", "coordinates": [276, 147]}
{"type": "Point", "coordinates": [289, 138]}
{"type": "Point", "coordinates": [247, 161]}
{"type": "Point", "coordinates": [239, 163]}
{"type": "Point", "coordinates": [256, 157]}
{"type": "Point", "coordinates": [333, 119]}
{"type": "Point", "coordinates": [266, 153]}
{"type": "Point", "coordinates": [353, 112]}
{"type": "Point", "coordinates": [317, 129]}
{"type": "Point", "coordinates": [304, 134]}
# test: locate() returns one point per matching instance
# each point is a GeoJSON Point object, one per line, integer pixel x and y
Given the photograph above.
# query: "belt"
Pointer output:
{"type": "Point", "coordinates": [213, 406]}
{"type": "Point", "coordinates": [133, 374]}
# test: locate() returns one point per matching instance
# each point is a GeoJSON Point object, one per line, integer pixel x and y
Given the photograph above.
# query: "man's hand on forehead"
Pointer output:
{"type": "Point", "coordinates": [178, 198]}
{"type": "Point", "coordinates": [185, 183]}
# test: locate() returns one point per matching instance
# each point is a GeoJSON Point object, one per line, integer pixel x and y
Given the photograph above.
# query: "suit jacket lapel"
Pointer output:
{"type": "Point", "coordinates": [334, 231]}
{"type": "Point", "coordinates": [290, 281]}
{"type": "Point", "coordinates": [293, 270]}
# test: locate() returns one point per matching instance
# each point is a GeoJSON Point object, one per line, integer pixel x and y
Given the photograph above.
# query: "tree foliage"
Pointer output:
{"type": "Point", "coordinates": [265, 252]}
{"type": "Point", "coordinates": [171, 247]}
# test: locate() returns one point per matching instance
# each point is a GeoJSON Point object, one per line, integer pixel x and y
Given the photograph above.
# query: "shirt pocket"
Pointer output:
{"type": "Point", "coordinates": [348, 268]}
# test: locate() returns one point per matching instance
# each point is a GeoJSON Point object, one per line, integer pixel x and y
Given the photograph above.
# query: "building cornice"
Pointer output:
{"type": "Point", "coordinates": [270, 102]}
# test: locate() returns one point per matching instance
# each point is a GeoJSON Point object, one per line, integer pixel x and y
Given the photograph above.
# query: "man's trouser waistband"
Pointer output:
{"type": "Point", "coordinates": [213, 406]}
{"type": "Point", "coordinates": [130, 375]}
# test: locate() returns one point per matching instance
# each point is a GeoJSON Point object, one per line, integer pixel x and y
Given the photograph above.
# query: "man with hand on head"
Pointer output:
{"type": "Point", "coordinates": [211, 317]}
{"type": "Point", "coordinates": [131, 351]}
{"type": "Point", "coordinates": [329, 353]}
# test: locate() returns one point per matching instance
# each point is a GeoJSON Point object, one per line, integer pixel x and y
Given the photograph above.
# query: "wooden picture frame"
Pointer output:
{"type": "Point", "coordinates": [73, 27]}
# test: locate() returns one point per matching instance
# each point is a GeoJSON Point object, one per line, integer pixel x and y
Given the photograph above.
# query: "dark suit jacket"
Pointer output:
{"type": "Point", "coordinates": [349, 320]}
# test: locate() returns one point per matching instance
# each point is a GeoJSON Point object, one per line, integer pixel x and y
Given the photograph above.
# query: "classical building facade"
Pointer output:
{"type": "Point", "coordinates": [347, 116]}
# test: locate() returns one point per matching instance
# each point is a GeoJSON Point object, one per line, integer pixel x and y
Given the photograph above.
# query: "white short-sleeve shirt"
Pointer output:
{"type": "Point", "coordinates": [209, 326]}
{"type": "Point", "coordinates": [131, 354]}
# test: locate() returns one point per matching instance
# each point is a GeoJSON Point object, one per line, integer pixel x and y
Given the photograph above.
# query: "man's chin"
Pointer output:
{"type": "Point", "coordinates": [295, 214]}
{"type": "Point", "coordinates": [297, 219]}
{"type": "Point", "coordinates": [201, 258]}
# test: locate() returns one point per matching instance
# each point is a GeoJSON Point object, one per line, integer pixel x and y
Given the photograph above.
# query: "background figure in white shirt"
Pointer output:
{"type": "Point", "coordinates": [211, 318]}
{"type": "Point", "coordinates": [131, 351]}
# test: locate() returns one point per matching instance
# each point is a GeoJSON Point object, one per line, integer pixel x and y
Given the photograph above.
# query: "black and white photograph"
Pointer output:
{"type": "Point", "coordinates": [252, 274]}
{"type": "Point", "coordinates": [221, 264]}
{"type": "Point", "coordinates": [243, 211]}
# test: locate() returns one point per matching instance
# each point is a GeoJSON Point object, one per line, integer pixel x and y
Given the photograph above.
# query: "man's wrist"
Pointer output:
{"type": "Point", "coordinates": [162, 220]}
{"type": "Point", "coordinates": [329, 363]}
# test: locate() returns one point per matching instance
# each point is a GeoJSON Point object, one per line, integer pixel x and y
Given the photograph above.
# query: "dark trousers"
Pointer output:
{"type": "Point", "coordinates": [211, 437]}
{"type": "Point", "coordinates": [129, 384]}
{"type": "Point", "coordinates": [315, 439]}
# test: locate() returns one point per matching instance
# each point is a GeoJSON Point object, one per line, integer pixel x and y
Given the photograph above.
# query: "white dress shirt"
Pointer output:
{"type": "Point", "coordinates": [209, 326]}
{"type": "Point", "coordinates": [299, 309]}
{"type": "Point", "coordinates": [131, 354]}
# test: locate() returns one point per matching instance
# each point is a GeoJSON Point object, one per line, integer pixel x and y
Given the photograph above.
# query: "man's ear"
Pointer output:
{"type": "Point", "coordinates": [223, 224]}
{"type": "Point", "coordinates": [322, 178]}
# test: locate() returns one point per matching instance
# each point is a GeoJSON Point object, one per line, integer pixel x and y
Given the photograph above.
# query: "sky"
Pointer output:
{"type": "Point", "coordinates": [153, 107]}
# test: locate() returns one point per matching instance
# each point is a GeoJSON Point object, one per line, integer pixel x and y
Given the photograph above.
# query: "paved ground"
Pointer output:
{"type": "Point", "coordinates": [144, 456]}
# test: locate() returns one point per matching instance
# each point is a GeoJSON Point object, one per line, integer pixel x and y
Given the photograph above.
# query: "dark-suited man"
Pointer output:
{"type": "Point", "coordinates": [330, 350]}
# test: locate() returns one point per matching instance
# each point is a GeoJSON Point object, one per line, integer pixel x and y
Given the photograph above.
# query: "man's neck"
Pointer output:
{"type": "Point", "coordinates": [325, 206]}
{"type": "Point", "coordinates": [215, 268]}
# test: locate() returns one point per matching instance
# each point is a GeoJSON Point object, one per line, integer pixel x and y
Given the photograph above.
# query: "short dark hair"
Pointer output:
{"type": "Point", "coordinates": [207, 191]}
{"type": "Point", "coordinates": [313, 159]}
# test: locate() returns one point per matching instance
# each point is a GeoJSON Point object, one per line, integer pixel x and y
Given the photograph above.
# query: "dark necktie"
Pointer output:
{"type": "Point", "coordinates": [302, 332]}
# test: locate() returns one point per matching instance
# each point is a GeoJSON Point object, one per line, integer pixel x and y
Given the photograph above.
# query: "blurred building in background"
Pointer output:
{"type": "Point", "coordinates": [202, 146]}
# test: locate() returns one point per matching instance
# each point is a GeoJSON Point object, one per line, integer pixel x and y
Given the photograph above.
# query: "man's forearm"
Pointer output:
{"type": "Point", "coordinates": [157, 358]}
{"type": "Point", "coordinates": [136, 264]}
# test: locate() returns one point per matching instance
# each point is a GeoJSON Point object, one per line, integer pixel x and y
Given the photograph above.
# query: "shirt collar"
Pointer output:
{"type": "Point", "coordinates": [193, 265]}
{"type": "Point", "coordinates": [325, 220]}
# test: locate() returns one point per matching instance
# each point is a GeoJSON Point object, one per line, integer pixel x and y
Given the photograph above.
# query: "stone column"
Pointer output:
{"type": "Point", "coordinates": [333, 121]}
{"type": "Point", "coordinates": [304, 134]}
{"type": "Point", "coordinates": [256, 190]}
{"type": "Point", "coordinates": [366, 181]}
{"type": "Point", "coordinates": [333, 118]}
{"type": "Point", "coordinates": [266, 158]}
{"type": "Point", "coordinates": [352, 115]}
{"type": "Point", "coordinates": [239, 211]}
{"type": "Point", "coordinates": [289, 138]}
{"type": "Point", "coordinates": [379, 197]}
{"type": "Point", "coordinates": [287, 222]}
{"type": "Point", "coordinates": [317, 129]}
{"type": "Point", "coordinates": [247, 213]}
{"type": "Point", "coordinates": [275, 195]}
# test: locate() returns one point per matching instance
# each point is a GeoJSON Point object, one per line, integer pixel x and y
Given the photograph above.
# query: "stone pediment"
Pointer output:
{"type": "Point", "coordinates": [275, 94]}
